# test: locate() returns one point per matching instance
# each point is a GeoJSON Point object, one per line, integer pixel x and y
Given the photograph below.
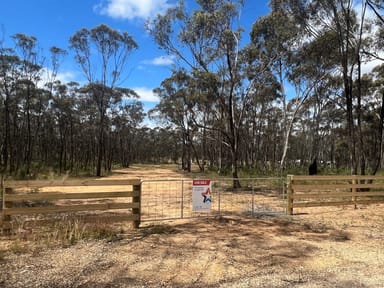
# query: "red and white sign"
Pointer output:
{"type": "Point", "coordinates": [201, 195]}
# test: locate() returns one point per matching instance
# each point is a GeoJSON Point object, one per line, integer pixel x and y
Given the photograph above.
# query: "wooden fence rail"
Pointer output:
{"type": "Point", "coordinates": [315, 191]}
{"type": "Point", "coordinates": [31, 197]}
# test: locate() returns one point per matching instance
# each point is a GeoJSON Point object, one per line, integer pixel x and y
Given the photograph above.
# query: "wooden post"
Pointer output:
{"type": "Point", "coordinates": [2, 191]}
{"type": "Point", "coordinates": [137, 199]}
{"type": "Point", "coordinates": [354, 190]}
{"type": "Point", "coordinates": [289, 195]}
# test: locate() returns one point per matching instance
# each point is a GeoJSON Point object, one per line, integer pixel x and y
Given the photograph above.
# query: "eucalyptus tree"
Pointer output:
{"type": "Point", "coordinates": [280, 41]}
{"type": "Point", "coordinates": [182, 96]}
{"type": "Point", "coordinates": [207, 43]}
{"type": "Point", "coordinates": [9, 73]}
{"type": "Point", "coordinates": [264, 96]}
{"type": "Point", "coordinates": [126, 114]}
{"type": "Point", "coordinates": [275, 38]}
{"type": "Point", "coordinates": [113, 49]}
{"type": "Point", "coordinates": [351, 32]}
{"type": "Point", "coordinates": [313, 68]}
{"type": "Point", "coordinates": [30, 69]}
{"type": "Point", "coordinates": [56, 57]}
{"type": "Point", "coordinates": [378, 43]}
{"type": "Point", "coordinates": [24, 102]}
{"type": "Point", "coordinates": [177, 104]}
{"type": "Point", "coordinates": [66, 117]}
{"type": "Point", "coordinates": [372, 90]}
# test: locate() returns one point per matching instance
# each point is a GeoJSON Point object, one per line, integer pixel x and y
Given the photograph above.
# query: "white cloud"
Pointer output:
{"type": "Point", "coordinates": [160, 61]}
{"type": "Point", "coordinates": [64, 77]}
{"type": "Point", "coordinates": [146, 94]}
{"type": "Point", "coordinates": [131, 9]}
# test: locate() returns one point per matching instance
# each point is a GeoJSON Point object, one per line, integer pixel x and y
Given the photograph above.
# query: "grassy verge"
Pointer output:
{"type": "Point", "coordinates": [64, 231]}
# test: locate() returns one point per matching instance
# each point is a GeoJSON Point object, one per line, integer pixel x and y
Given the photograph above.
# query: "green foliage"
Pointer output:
{"type": "Point", "coordinates": [230, 103]}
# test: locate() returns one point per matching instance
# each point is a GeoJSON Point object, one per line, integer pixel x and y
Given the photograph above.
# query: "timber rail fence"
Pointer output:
{"type": "Point", "coordinates": [31, 197]}
{"type": "Point", "coordinates": [316, 191]}
{"type": "Point", "coordinates": [120, 196]}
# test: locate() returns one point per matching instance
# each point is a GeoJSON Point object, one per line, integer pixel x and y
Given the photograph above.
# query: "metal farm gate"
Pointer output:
{"type": "Point", "coordinates": [166, 199]}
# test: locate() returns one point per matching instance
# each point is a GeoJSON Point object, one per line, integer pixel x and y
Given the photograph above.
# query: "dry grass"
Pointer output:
{"type": "Point", "coordinates": [317, 247]}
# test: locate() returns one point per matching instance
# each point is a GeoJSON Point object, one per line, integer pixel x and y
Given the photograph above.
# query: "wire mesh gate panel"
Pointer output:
{"type": "Point", "coordinates": [166, 199]}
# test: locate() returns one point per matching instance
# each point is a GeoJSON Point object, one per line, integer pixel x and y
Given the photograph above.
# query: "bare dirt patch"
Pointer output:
{"type": "Point", "coordinates": [317, 247]}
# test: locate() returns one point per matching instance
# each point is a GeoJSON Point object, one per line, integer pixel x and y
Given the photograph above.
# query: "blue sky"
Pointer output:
{"type": "Point", "coordinates": [53, 22]}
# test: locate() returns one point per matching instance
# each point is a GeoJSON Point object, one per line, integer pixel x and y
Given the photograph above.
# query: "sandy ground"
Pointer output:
{"type": "Point", "coordinates": [317, 247]}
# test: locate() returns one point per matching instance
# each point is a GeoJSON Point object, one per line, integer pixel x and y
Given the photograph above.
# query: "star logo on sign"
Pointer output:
{"type": "Point", "coordinates": [207, 196]}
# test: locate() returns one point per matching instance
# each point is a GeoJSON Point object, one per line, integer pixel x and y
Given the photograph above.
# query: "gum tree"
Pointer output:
{"type": "Point", "coordinates": [113, 49]}
{"type": "Point", "coordinates": [207, 44]}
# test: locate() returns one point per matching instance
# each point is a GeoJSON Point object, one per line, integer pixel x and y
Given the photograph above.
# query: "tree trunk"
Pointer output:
{"type": "Point", "coordinates": [235, 166]}
{"type": "Point", "coordinates": [350, 126]}
{"type": "Point", "coordinates": [380, 137]}
{"type": "Point", "coordinates": [6, 140]}
{"type": "Point", "coordinates": [235, 177]}
{"type": "Point", "coordinates": [28, 153]}
{"type": "Point", "coordinates": [99, 160]}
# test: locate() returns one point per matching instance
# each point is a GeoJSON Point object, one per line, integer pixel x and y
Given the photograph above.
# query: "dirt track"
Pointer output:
{"type": "Point", "coordinates": [320, 247]}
